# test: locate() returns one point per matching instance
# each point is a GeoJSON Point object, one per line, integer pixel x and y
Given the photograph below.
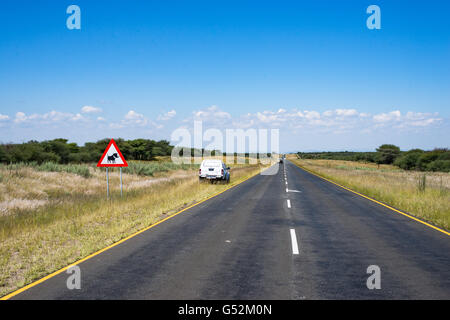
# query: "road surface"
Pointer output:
{"type": "Point", "coordinates": [290, 235]}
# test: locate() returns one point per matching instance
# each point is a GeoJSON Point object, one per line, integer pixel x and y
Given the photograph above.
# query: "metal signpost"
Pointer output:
{"type": "Point", "coordinates": [112, 157]}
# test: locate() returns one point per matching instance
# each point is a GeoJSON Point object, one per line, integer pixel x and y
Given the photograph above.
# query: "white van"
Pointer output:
{"type": "Point", "coordinates": [214, 170]}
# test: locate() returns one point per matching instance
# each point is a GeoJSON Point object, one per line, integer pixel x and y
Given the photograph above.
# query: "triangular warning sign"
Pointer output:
{"type": "Point", "coordinates": [112, 157]}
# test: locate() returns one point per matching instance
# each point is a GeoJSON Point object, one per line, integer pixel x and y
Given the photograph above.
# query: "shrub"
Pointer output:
{"type": "Point", "coordinates": [425, 159]}
{"type": "Point", "coordinates": [439, 165]}
{"type": "Point", "coordinates": [408, 160]}
{"type": "Point", "coordinates": [387, 153]}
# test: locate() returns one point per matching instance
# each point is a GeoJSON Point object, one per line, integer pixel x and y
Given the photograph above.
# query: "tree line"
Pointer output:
{"type": "Point", "coordinates": [63, 152]}
{"type": "Point", "coordinates": [414, 159]}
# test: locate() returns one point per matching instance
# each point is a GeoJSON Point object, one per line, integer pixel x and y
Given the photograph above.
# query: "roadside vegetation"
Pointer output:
{"type": "Point", "coordinates": [415, 159]}
{"type": "Point", "coordinates": [62, 152]}
{"type": "Point", "coordinates": [78, 169]}
{"type": "Point", "coordinates": [51, 215]}
{"type": "Point", "coordinates": [425, 195]}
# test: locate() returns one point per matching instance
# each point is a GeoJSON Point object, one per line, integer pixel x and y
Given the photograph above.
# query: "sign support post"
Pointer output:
{"type": "Point", "coordinates": [121, 188]}
{"type": "Point", "coordinates": [112, 157]}
{"type": "Point", "coordinates": [107, 183]}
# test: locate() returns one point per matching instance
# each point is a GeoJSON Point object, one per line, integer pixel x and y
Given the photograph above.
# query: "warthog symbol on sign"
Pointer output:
{"type": "Point", "coordinates": [112, 158]}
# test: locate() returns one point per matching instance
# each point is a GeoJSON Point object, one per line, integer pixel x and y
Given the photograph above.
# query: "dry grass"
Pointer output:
{"type": "Point", "coordinates": [424, 195]}
{"type": "Point", "coordinates": [63, 217]}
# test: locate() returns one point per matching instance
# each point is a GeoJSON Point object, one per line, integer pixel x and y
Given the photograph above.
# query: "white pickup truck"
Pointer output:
{"type": "Point", "coordinates": [214, 170]}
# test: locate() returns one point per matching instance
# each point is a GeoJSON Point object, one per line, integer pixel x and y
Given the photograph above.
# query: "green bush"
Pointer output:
{"type": "Point", "coordinates": [386, 154]}
{"type": "Point", "coordinates": [425, 159]}
{"type": "Point", "coordinates": [408, 160]}
{"type": "Point", "coordinates": [439, 165]}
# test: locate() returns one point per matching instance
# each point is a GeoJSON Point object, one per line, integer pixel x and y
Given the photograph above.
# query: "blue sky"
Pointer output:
{"type": "Point", "coordinates": [312, 69]}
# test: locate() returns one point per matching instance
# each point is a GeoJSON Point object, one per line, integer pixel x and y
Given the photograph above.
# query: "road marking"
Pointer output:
{"type": "Point", "coordinates": [294, 242]}
{"type": "Point", "coordinates": [287, 190]}
{"type": "Point", "coordinates": [286, 182]}
{"type": "Point", "coordinates": [376, 201]}
{"type": "Point", "coordinates": [288, 203]}
{"type": "Point", "coordinates": [16, 292]}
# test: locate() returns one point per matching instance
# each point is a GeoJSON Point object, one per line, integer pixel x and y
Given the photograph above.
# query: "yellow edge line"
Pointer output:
{"type": "Point", "coordinates": [12, 294]}
{"type": "Point", "coordinates": [380, 203]}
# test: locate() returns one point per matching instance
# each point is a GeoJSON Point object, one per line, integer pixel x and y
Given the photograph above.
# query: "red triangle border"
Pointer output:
{"type": "Point", "coordinates": [112, 142]}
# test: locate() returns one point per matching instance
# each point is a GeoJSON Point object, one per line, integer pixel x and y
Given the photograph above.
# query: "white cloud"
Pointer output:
{"type": "Point", "coordinates": [77, 117]}
{"type": "Point", "coordinates": [298, 126]}
{"type": "Point", "coordinates": [340, 113]}
{"type": "Point", "coordinates": [114, 125]}
{"type": "Point", "coordinates": [395, 119]}
{"type": "Point", "coordinates": [386, 117]}
{"type": "Point", "coordinates": [90, 109]}
{"type": "Point", "coordinates": [346, 112]}
{"type": "Point", "coordinates": [335, 121]}
{"type": "Point", "coordinates": [311, 114]}
{"type": "Point", "coordinates": [20, 117]}
{"type": "Point", "coordinates": [267, 117]}
{"type": "Point", "coordinates": [52, 117]}
{"type": "Point", "coordinates": [212, 114]}
{"type": "Point", "coordinates": [167, 116]}
{"type": "Point", "coordinates": [424, 122]}
{"type": "Point", "coordinates": [134, 118]}
{"type": "Point", "coordinates": [419, 119]}
{"type": "Point", "coordinates": [133, 115]}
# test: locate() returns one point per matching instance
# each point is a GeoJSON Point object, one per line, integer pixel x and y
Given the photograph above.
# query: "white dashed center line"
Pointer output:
{"type": "Point", "coordinates": [294, 242]}
{"type": "Point", "coordinates": [288, 203]}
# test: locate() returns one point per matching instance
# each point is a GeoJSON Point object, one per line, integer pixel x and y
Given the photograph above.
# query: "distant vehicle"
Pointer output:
{"type": "Point", "coordinates": [281, 160]}
{"type": "Point", "coordinates": [214, 171]}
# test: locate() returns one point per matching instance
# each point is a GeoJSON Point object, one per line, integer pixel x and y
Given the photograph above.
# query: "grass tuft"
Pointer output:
{"type": "Point", "coordinates": [78, 169]}
{"type": "Point", "coordinates": [150, 168]}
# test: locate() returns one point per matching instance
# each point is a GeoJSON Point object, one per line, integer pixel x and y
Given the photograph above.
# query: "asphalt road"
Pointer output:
{"type": "Point", "coordinates": [239, 245]}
